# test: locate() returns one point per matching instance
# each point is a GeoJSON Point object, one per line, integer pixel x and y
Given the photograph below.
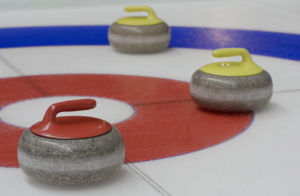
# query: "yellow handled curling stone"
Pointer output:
{"type": "Point", "coordinates": [231, 86]}
{"type": "Point", "coordinates": [139, 34]}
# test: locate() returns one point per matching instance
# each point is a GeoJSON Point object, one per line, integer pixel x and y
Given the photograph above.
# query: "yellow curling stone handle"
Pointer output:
{"type": "Point", "coordinates": [244, 68]}
{"type": "Point", "coordinates": [140, 21]}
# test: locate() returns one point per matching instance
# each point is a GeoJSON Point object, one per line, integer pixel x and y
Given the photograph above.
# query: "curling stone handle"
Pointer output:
{"type": "Point", "coordinates": [228, 52]}
{"type": "Point", "coordinates": [67, 106]}
{"type": "Point", "coordinates": [148, 9]}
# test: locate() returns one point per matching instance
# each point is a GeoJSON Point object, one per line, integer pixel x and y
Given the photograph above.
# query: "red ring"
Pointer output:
{"type": "Point", "coordinates": [167, 122]}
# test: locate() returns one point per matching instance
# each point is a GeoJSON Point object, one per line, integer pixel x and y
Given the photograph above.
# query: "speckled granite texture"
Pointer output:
{"type": "Point", "coordinates": [71, 162]}
{"type": "Point", "coordinates": [229, 93]}
{"type": "Point", "coordinates": [139, 39]}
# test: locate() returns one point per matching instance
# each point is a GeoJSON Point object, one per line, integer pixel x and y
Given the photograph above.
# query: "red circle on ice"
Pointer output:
{"type": "Point", "coordinates": [166, 123]}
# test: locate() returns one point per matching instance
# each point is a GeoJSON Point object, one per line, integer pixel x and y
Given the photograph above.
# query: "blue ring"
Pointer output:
{"type": "Point", "coordinates": [281, 45]}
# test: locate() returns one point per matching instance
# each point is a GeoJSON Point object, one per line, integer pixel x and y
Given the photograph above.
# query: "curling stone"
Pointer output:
{"type": "Point", "coordinates": [139, 34]}
{"type": "Point", "coordinates": [71, 150]}
{"type": "Point", "coordinates": [231, 86]}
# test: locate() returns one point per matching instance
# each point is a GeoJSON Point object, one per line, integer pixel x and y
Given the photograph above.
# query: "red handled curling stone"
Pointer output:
{"type": "Point", "coordinates": [71, 150]}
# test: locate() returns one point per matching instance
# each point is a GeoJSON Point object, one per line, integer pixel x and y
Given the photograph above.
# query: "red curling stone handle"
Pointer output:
{"type": "Point", "coordinates": [70, 127]}
{"type": "Point", "coordinates": [67, 106]}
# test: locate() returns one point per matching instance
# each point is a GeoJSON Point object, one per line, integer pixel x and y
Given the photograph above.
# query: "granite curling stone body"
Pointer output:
{"type": "Point", "coordinates": [231, 86]}
{"type": "Point", "coordinates": [139, 34]}
{"type": "Point", "coordinates": [71, 150]}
